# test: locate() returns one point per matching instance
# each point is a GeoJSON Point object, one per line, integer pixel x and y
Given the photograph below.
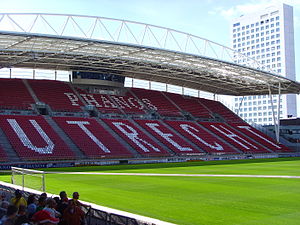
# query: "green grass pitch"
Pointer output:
{"type": "Point", "coordinates": [193, 200]}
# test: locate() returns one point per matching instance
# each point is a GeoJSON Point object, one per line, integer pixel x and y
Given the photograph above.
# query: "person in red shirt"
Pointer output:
{"type": "Point", "coordinates": [73, 214]}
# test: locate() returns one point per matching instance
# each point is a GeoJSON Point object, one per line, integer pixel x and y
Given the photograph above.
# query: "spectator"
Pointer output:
{"type": "Point", "coordinates": [4, 204]}
{"type": "Point", "coordinates": [63, 202]}
{"type": "Point", "coordinates": [44, 217]}
{"type": "Point", "coordinates": [18, 199]}
{"type": "Point", "coordinates": [2, 197]}
{"type": "Point", "coordinates": [3, 208]}
{"type": "Point", "coordinates": [50, 207]}
{"type": "Point", "coordinates": [32, 205]}
{"type": "Point", "coordinates": [56, 199]}
{"type": "Point", "coordinates": [76, 202]}
{"type": "Point", "coordinates": [44, 195]}
{"type": "Point", "coordinates": [41, 203]}
{"type": "Point", "coordinates": [73, 214]}
{"type": "Point", "coordinates": [22, 217]}
{"type": "Point", "coordinates": [10, 217]}
{"type": "Point", "coordinates": [63, 196]}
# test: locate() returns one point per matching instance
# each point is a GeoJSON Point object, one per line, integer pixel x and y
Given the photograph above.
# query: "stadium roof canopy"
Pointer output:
{"type": "Point", "coordinates": [131, 49]}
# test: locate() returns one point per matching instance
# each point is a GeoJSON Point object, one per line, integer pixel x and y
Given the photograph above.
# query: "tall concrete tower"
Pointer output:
{"type": "Point", "coordinates": [268, 37]}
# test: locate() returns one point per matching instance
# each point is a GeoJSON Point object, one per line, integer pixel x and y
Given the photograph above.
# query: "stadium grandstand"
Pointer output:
{"type": "Point", "coordinates": [91, 118]}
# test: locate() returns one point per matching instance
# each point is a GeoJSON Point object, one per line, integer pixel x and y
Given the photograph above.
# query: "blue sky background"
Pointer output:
{"type": "Point", "coordinates": [209, 19]}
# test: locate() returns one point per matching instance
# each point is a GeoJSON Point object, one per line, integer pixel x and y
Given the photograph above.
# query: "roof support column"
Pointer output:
{"type": "Point", "coordinates": [240, 105]}
{"type": "Point", "coordinates": [278, 112]}
{"type": "Point", "coordinates": [273, 113]}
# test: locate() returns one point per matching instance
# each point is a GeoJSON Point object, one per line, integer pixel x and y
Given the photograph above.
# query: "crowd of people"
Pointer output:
{"type": "Point", "coordinates": [42, 210]}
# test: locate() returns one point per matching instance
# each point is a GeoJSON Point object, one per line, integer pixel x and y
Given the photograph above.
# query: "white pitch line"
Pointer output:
{"type": "Point", "coordinates": [181, 175]}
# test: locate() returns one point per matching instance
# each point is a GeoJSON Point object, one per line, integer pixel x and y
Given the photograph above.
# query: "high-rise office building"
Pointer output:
{"type": "Point", "coordinates": [268, 37]}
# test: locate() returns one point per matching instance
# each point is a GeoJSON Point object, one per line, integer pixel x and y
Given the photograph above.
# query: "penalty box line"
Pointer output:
{"type": "Point", "coordinates": [179, 175]}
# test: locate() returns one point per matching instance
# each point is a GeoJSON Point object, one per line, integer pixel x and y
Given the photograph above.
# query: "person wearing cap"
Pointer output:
{"type": "Point", "coordinates": [44, 217]}
{"type": "Point", "coordinates": [18, 199]}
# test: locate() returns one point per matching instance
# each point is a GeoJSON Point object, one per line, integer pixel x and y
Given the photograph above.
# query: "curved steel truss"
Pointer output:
{"type": "Point", "coordinates": [131, 49]}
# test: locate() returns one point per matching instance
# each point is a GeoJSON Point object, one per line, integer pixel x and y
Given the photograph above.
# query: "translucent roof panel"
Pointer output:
{"type": "Point", "coordinates": [132, 49]}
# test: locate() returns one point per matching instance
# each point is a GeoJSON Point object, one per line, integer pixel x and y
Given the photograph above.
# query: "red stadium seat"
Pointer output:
{"type": "Point", "coordinates": [92, 138]}
{"type": "Point", "coordinates": [33, 138]}
{"type": "Point", "coordinates": [199, 136]}
{"type": "Point", "coordinates": [14, 95]}
{"type": "Point", "coordinates": [101, 101]}
{"type": "Point", "coordinates": [189, 104]}
{"type": "Point", "coordinates": [219, 108]}
{"type": "Point", "coordinates": [235, 138]}
{"type": "Point", "coordinates": [58, 95]}
{"type": "Point", "coordinates": [113, 103]}
{"type": "Point", "coordinates": [129, 104]}
{"type": "Point", "coordinates": [136, 138]}
{"type": "Point", "coordinates": [173, 141]}
{"type": "Point", "coordinates": [156, 101]}
{"type": "Point", "coordinates": [3, 156]}
{"type": "Point", "coordinates": [260, 137]}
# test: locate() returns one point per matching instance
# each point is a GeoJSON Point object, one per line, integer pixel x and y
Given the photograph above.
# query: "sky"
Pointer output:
{"type": "Point", "coordinates": [209, 19]}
